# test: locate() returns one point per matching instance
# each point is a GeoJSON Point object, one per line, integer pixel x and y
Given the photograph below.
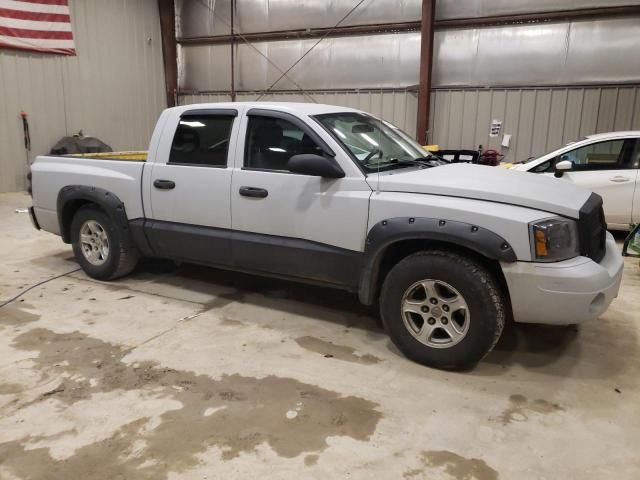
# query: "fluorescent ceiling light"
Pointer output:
{"type": "Point", "coordinates": [402, 145]}
{"type": "Point", "coordinates": [192, 124]}
{"type": "Point", "coordinates": [340, 134]}
{"type": "Point", "coordinates": [369, 139]}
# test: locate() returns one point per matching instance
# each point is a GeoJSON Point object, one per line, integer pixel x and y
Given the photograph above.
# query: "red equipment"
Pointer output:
{"type": "Point", "coordinates": [490, 157]}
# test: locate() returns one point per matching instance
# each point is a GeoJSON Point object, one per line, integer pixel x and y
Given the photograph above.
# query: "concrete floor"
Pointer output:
{"type": "Point", "coordinates": [195, 373]}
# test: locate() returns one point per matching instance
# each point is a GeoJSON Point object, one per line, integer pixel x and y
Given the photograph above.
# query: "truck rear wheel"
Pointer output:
{"type": "Point", "coordinates": [442, 309]}
{"type": "Point", "coordinates": [101, 248]}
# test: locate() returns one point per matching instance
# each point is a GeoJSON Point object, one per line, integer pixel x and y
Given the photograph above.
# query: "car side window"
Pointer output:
{"type": "Point", "coordinates": [202, 140]}
{"type": "Point", "coordinates": [271, 142]}
{"type": "Point", "coordinates": [543, 167]}
{"type": "Point", "coordinates": [635, 158]}
{"type": "Point", "coordinates": [608, 155]}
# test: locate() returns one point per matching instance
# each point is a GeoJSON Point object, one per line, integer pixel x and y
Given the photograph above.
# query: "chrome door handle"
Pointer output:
{"type": "Point", "coordinates": [619, 179]}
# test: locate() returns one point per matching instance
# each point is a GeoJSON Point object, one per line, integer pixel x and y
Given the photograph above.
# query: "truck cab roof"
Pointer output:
{"type": "Point", "coordinates": [291, 107]}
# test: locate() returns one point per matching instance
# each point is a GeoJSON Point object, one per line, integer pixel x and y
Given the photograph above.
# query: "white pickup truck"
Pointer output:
{"type": "Point", "coordinates": [336, 197]}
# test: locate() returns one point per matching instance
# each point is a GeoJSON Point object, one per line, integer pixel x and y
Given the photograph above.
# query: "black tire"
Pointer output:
{"type": "Point", "coordinates": [122, 255]}
{"type": "Point", "coordinates": [480, 291]}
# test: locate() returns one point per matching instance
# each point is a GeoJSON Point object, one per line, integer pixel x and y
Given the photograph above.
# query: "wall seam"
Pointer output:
{"type": "Point", "coordinates": [533, 133]}
{"type": "Point", "coordinates": [599, 90]}
{"type": "Point", "coordinates": [615, 109]}
{"type": "Point", "coordinates": [546, 139]}
{"type": "Point", "coordinates": [564, 115]}
{"type": "Point", "coordinates": [633, 107]}
{"type": "Point", "coordinates": [581, 110]}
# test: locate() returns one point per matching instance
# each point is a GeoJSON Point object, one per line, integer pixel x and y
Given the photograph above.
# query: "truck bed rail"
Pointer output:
{"type": "Point", "coordinates": [132, 156]}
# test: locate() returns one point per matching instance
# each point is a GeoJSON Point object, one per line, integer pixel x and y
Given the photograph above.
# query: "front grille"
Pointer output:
{"type": "Point", "coordinates": [592, 229]}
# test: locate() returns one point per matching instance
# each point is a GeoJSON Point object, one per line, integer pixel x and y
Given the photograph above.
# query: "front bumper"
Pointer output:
{"type": "Point", "coordinates": [567, 292]}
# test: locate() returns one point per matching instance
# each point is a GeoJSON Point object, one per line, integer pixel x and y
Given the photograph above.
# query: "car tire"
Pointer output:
{"type": "Point", "coordinates": [102, 248]}
{"type": "Point", "coordinates": [442, 309]}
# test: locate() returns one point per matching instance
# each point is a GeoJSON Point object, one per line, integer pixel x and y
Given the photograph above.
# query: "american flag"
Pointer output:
{"type": "Point", "coordinates": [38, 25]}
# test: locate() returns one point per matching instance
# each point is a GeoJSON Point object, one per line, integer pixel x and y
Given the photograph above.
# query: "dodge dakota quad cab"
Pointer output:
{"type": "Point", "coordinates": [336, 197]}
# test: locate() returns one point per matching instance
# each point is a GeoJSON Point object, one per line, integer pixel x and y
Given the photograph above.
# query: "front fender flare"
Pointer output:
{"type": "Point", "coordinates": [393, 230]}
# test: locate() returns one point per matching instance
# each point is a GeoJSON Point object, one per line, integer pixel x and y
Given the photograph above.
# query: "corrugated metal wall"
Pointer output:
{"type": "Point", "coordinates": [375, 61]}
{"type": "Point", "coordinates": [113, 88]}
{"type": "Point", "coordinates": [563, 53]}
{"type": "Point", "coordinates": [271, 15]}
{"type": "Point", "coordinates": [447, 9]}
{"type": "Point", "coordinates": [539, 120]}
{"type": "Point", "coordinates": [587, 52]}
{"type": "Point", "coordinates": [530, 76]}
{"type": "Point", "coordinates": [195, 17]}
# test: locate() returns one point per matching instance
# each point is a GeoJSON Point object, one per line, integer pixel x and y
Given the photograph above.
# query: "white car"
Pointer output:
{"type": "Point", "coordinates": [606, 163]}
{"type": "Point", "coordinates": [333, 196]}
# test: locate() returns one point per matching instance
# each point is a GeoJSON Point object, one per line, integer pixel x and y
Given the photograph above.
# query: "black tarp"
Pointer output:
{"type": "Point", "coordinates": [78, 144]}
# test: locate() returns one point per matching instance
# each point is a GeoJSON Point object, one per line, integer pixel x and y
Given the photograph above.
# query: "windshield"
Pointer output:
{"type": "Point", "coordinates": [375, 144]}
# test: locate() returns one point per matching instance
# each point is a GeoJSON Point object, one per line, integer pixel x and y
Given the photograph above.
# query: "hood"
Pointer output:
{"type": "Point", "coordinates": [523, 167]}
{"type": "Point", "coordinates": [480, 182]}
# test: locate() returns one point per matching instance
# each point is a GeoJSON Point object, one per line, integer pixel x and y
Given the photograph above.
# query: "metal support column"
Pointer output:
{"type": "Point", "coordinates": [233, 53]}
{"type": "Point", "coordinates": [426, 63]}
{"type": "Point", "coordinates": [167, 12]}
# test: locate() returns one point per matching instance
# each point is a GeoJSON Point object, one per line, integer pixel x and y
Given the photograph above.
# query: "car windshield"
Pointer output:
{"type": "Point", "coordinates": [375, 144]}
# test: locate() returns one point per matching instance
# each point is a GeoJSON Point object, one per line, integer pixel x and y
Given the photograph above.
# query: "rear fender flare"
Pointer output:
{"type": "Point", "coordinates": [71, 194]}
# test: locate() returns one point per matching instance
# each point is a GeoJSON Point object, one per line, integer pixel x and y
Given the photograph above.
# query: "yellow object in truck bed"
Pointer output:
{"type": "Point", "coordinates": [140, 156]}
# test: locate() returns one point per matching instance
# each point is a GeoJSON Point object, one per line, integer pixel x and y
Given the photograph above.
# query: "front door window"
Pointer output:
{"type": "Point", "coordinates": [609, 155]}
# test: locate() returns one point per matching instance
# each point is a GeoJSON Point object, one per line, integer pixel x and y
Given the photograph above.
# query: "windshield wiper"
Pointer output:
{"type": "Point", "coordinates": [422, 161]}
{"type": "Point", "coordinates": [433, 159]}
{"type": "Point", "coordinates": [372, 154]}
{"type": "Point", "coordinates": [414, 161]}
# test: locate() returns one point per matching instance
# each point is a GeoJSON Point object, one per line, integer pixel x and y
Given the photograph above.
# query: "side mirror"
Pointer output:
{"type": "Point", "coordinates": [561, 167]}
{"type": "Point", "coordinates": [315, 165]}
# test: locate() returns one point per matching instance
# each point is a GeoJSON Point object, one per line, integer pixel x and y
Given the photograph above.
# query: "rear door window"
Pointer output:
{"type": "Point", "coordinates": [202, 140]}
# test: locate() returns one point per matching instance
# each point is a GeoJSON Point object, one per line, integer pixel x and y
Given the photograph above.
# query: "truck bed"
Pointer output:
{"type": "Point", "coordinates": [117, 172]}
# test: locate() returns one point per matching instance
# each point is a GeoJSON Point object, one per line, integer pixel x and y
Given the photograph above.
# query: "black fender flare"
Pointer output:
{"type": "Point", "coordinates": [71, 194]}
{"type": "Point", "coordinates": [387, 232]}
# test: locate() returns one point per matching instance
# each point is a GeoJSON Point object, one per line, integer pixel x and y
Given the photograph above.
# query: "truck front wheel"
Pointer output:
{"type": "Point", "coordinates": [442, 309]}
{"type": "Point", "coordinates": [101, 248]}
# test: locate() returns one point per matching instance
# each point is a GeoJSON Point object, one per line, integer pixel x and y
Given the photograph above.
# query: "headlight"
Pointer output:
{"type": "Point", "coordinates": [554, 239]}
